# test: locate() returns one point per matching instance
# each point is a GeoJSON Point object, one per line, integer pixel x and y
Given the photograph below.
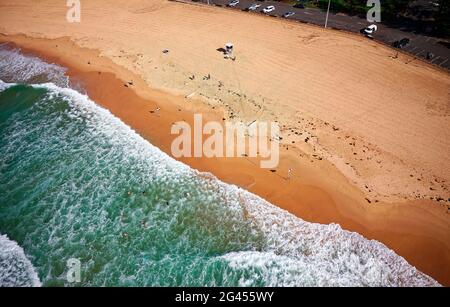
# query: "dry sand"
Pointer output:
{"type": "Point", "coordinates": [378, 126]}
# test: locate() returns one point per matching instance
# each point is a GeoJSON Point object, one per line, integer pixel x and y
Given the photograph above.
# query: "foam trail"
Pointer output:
{"type": "Point", "coordinates": [19, 68]}
{"type": "Point", "coordinates": [202, 236]}
{"type": "Point", "coordinates": [300, 252]}
{"type": "Point", "coordinates": [4, 86]}
{"type": "Point", "coordinates": [15, 268]}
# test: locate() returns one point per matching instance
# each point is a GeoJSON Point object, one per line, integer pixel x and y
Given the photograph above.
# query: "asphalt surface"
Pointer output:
{"type": "Point", "coordinates": [419, 46]}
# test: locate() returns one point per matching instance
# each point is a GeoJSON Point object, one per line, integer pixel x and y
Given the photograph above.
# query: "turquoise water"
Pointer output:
{"type": "Point", "coordinates": [76, 182]}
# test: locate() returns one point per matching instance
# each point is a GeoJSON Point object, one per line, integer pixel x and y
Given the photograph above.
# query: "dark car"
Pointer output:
{"type": "Point", "coordinates": [401, 43]}
{"type": "Point", "coordinates": [299, 5]}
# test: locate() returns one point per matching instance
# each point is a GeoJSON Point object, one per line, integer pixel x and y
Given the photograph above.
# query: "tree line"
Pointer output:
{"type": "Point", "coordinates": [432, 17]}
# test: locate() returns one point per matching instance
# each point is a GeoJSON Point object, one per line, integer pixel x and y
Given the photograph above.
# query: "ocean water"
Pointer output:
{"type": "Point", "coordinates": [76, 182]}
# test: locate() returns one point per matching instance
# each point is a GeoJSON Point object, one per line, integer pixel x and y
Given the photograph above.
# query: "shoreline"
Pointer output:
{"type": "Point", "coordinates": [417, 230]}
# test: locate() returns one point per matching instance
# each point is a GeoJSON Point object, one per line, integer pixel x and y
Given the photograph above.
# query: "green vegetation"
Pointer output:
{"type": "Point", "coordinates": [389, 8]}
{"type": "Point", "coordinates": [442, 18]}
{"type": "Point", "coordinates": [432, 17]}
{"type": "Point", "coordinates": [354, 7]}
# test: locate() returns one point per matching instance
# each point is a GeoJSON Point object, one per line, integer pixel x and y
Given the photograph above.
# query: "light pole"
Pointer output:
{"type": "Point", "coordinates": [328, 12]}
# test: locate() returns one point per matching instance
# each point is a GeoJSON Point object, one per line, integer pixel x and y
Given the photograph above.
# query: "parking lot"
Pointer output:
{"type": "Point", "coordinates": [419, 45]}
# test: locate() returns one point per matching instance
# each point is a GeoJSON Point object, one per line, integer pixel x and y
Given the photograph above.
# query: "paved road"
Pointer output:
{"type": "Point", "coordinates": [419, 45]}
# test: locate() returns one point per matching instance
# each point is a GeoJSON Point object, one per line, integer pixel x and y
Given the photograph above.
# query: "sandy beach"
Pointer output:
{"type": "Point", "coordinates": [377, 157]}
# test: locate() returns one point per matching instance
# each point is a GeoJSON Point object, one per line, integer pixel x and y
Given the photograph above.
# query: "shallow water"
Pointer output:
{"type": "Point", "coordinates": [76, 182]}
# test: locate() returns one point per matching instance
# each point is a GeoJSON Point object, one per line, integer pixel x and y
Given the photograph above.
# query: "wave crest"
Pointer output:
{"type": "Point", "coordinates": [15, 268]}
{"type": "Point", "coordinates": [16, 67]}
{"type": "Point", "coordinates": [296, 252]}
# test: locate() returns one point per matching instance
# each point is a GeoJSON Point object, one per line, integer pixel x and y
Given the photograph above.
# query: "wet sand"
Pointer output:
{"type": "Point", "coordinates": [317, 191]}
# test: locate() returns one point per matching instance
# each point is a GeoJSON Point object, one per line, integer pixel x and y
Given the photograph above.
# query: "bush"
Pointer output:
{"type": "Point", "coordinates": [352, 7]}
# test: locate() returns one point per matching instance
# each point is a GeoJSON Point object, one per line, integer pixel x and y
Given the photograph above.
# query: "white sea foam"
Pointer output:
{"type": "Point", "coordinates": [19, 68]}
{"type": "Point", "coordinates": [320, 255]}
{"type": "Point", "coordinates": [4, 85]}
{"type": "Point", "coordinates": [297, 253]}
{"type": "Point", "coordinates": [15, 268]}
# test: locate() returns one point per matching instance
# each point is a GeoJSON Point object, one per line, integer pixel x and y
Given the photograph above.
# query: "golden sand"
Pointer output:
{"type": "Point", "coordinates": [378, 126]}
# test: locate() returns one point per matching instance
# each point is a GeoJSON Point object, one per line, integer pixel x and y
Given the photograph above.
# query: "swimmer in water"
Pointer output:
{"type": "Point", "coordinates": [144, 224]}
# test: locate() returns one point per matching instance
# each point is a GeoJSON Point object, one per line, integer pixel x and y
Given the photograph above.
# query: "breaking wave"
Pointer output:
{"type": "Point", "coordinates": [19, 68]}
{"type": "Point", "coordinates": [91, 188]}
{"type": "Point", "coordinates": [15, 269]}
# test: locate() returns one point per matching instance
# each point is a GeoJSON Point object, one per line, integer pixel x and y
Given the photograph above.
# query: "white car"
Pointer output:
{"type": "Point", "coordinates": [233, 3]}
{"type": "Point", "coordinates": [288, 14]}
{"type": "Point", "coordinates": [253, 7]}
{"type": "Point", "coordinates": [370, 29]}
{"type": "Point", "coordinates": [268, 9]}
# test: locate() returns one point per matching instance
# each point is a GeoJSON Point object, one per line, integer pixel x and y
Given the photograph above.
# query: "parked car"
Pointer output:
{"type": "Point", "coordinates": [401, 43]}
{"type": "Point", "coordinates": [253, 7]}
{"type": "Point", "coordinates": [299, 5]}
{"type": "Point", "coordinates": [268, 9]}
{"type": "Point", "coordinates": [233, 3]}
{"type": "Point", "coordinates": [288, 14]}
{"type": "Point", "coordinates": [370, 30]}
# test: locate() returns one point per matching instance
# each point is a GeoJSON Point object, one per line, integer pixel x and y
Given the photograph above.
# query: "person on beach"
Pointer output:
{"type": "Point", "coordinates": [289, 174]}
